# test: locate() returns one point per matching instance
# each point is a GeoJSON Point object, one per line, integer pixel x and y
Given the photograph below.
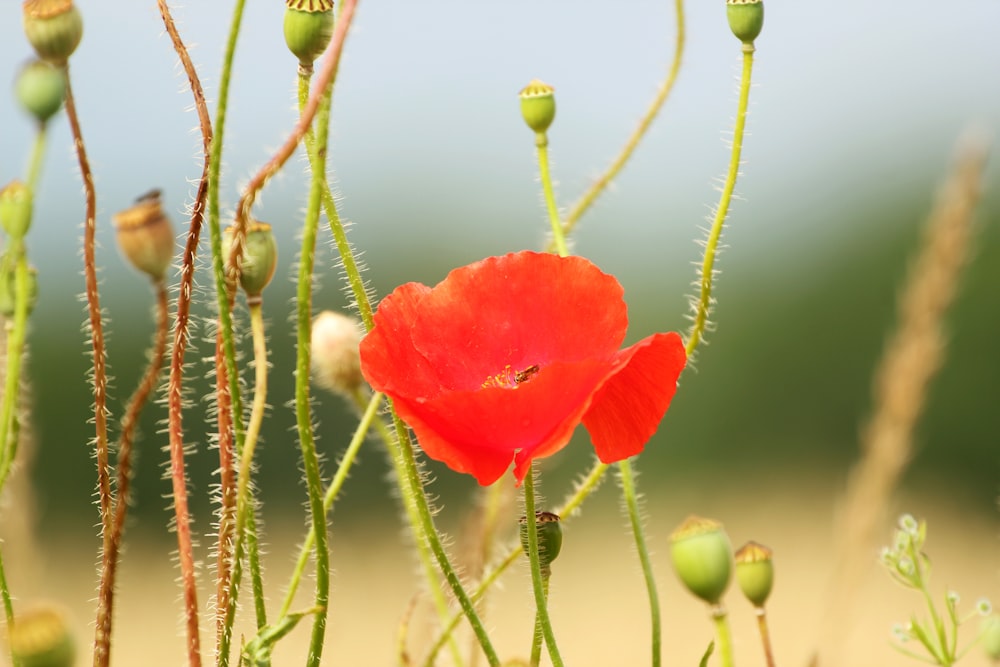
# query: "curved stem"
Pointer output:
{"type": "Point", "coordinates": [725, 641]}
{"type": "Point", "coordinates": [558, 238]}
{"type": "Point", "coordinates": [635, 520]}
{"type": "Point", "coordinates": [109, 565]}
{"type": "Point", "coordinates": [228, 399]}
{"type": "Point", "coordinates": [541, 597]}
{"type": "Point", "coordinates": [588, 485]}
{"type": "Point", "coordinates": [703, 305]}
{"type": "Point", "coordinates": [602, 182]}
{"type": "Point", "coordinates": [176, 382]}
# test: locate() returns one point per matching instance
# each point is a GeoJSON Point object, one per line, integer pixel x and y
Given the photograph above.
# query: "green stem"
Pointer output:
{"type": "Point", "coordinates": [244, 495]}
{"type": "Point", "coordinates": [601, 184]}
{"type": "Point", "coordinates": [424, 553]}
{"type": "Point", "coordinates": [635, 520]}
{"type": "Point", "coordinates": [587, 486]}
{"type": "Point", "coordinates": [703, 306]}
{"type": "Point", "coordinates": [37, 153]}
{"type": "Point", "coordinates": [303, 410]}
{"type": "Point", "coordinates": [367, 418]}
{"type": "Point", "coordinates": [725, 641]}
{"type": "Point", "coordinates": [558, 238]}
{"type": "Point", "coordinates": [229, 563]}
{"type": "Point", "coordinates": [541, 597]}
{"type": "Point", "coordinates": [8, 608]}
{"type": "Point", "coordinates": [16, 334]}
{"type": "Point", "coordinates": [536, 640]}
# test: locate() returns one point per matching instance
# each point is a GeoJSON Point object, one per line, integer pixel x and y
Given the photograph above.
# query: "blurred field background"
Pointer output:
{"type": "Point", "coordinates": [853, 117]}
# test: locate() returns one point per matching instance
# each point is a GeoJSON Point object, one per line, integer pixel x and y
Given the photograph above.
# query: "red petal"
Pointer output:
{"type": "Point", "coordinates": [627, 409]}
{"type": "Point", "coordinates": [520, 309]}
{"type": "Point", "coordinates": [480, 431]}
{"type": "Point", "coordinates": [389, 360]}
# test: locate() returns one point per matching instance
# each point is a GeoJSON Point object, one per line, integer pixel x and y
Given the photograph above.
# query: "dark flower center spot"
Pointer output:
{"type": "Point", "coordinates": [508, 378]}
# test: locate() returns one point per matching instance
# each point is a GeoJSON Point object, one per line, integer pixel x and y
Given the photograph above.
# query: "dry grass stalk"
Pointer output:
{"type": "Point", "coordinates": [913, 354]}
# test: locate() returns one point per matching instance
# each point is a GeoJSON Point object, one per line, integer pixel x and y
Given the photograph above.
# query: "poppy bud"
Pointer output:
{"type": "Point", "coordinates": [336, 364]}
{"type": "Point", "coordinates": [549, 538]}
{"type": "Point", "coordinates": [755, 572]}
{"type": "Point", "coordinates": [308, 28]}
{"type": "Point", "coordinates": [40, 637]}
{"type": "Point", "coordinates": [54, 28]}
{"type": "Point", "coordinates": [702, 557]}
{"type": "Point", "coordinates": [15, 209]}
{"type": "Point", "coordinates": [538, 105]}
{"type": "Point", "coordinates": [260, 258]}
{"type": "Point", "coordinates": [145, 235]}
{"type": "Point", "coordinates": [41, 89]}
{"type": "Point", "coordinates": [746, 18]}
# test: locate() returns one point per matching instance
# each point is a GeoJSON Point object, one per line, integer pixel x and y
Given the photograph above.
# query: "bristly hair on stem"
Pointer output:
{"type": "Point", "coordinates": [176, 380]}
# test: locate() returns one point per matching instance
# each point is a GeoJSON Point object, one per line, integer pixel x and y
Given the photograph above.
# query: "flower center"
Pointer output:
{"type": "Point", "coordinates": [508, 378]}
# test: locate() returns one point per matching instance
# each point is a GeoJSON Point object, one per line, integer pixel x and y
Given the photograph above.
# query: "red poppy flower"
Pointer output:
{"type": "Point", "coordinates": [505, 357]}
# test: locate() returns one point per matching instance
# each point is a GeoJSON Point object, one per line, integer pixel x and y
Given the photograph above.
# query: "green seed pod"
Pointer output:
{"type": "Point", "coordinates": [308, 28]}
{"type": "Point", "coordinates": [41, 89]}
{"type": "Point", "coordinates": [335, 360]}
{"type": "Point", "coordinates": [702, 557]}
{"type": "Point", "coordinates": [755, 572]}
{"type": "Point", "coordinates": [260, 258]}
{"type": "Point", "coordinates": [746, 18]}
{"type": "Point", "coordinates": [145, 235]}
{"type": "Point", "coordinates": [549, 537]}
{"type": "Point", "coordinates": [15, 209]}
{"type": "Point", "coordinates": [538, 105]}
{"type": "Point", "coordinates": [54, 28]}
{"type": "Point", "coordinates": [40, 637]}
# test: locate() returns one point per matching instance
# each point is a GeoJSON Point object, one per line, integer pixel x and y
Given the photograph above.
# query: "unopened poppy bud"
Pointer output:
{"type": "Point", "coordinates": [336, 364]}
{"type": "Point", "coordinates": [989, 633]}
{"type": "Point", "coordinates": [755, 572]}
{"type": "Point", "coordinates": [702, 557]}
{"type": "Point", "coordinates": [260, 258]}
{"type": "Point", "coordinates": [41, 89]}
{"type": "Point", "coordinates": [746, 18]}
{"type": "Point", "coordinates": [54, 28]}
{"type": "Point", "coordinates": [538, 105]}
{"type": "Point", "coordinates": [40, 637]}
{"type": "Point", "coordinates": [15, 209]}
{"type": "Point", "coordinates": [549, 537]}
{"type": "Point", "coordinates": [308, 28]}
{"type": "Point", "coordinates": [145, 235]}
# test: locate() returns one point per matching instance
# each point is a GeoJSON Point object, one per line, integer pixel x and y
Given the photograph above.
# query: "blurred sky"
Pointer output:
{"type": "Point", "coordinates": [852, 100]}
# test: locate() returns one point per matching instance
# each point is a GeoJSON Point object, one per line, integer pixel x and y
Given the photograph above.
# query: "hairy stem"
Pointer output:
{"type": "Point", "coordinates": [558, 237]}
{"type": "Point", "coordinates": [631, 499]}
{"type": "Point", "coordinates": [537, 577]}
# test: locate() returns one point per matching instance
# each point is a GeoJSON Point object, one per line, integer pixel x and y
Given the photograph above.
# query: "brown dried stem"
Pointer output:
{"type": "Point", "coordinates": [105, 598]}
{"type": "Point", "coordinates": [912, 356]}
{"type": "Point", "coordinates": [175, 386]}
{"type": "Point", "coordinates": [227, 491]}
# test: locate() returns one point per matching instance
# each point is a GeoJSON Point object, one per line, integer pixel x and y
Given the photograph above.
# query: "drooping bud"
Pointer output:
{"type": "Point", "coordinates": [702, 557]}
{"type": "Point", "coordinates": [15, 209]}
{"type": "Point", "coordinates": [755, 572]}
{"type": "Point", "coordinates": [41, 89]}
{"type": "Point", "coordinates": [746, 18]}
{"type": "Point", "coordinates": [336, 363]}
{"type": "Point", "coordinates": [145, 235]}
{"type": "Point", "coordinates": [260, 258]}
{"type": "Point", "coordinates": [54, 28]}
{"type": "Point", "coordinates": [308, 28]}
{"type": "Point", "coordinates": [549, 537]}
{"type": "Point", "coordinates": [538, 105]}
{"type": "Point", "coordinates": [40, 637]}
